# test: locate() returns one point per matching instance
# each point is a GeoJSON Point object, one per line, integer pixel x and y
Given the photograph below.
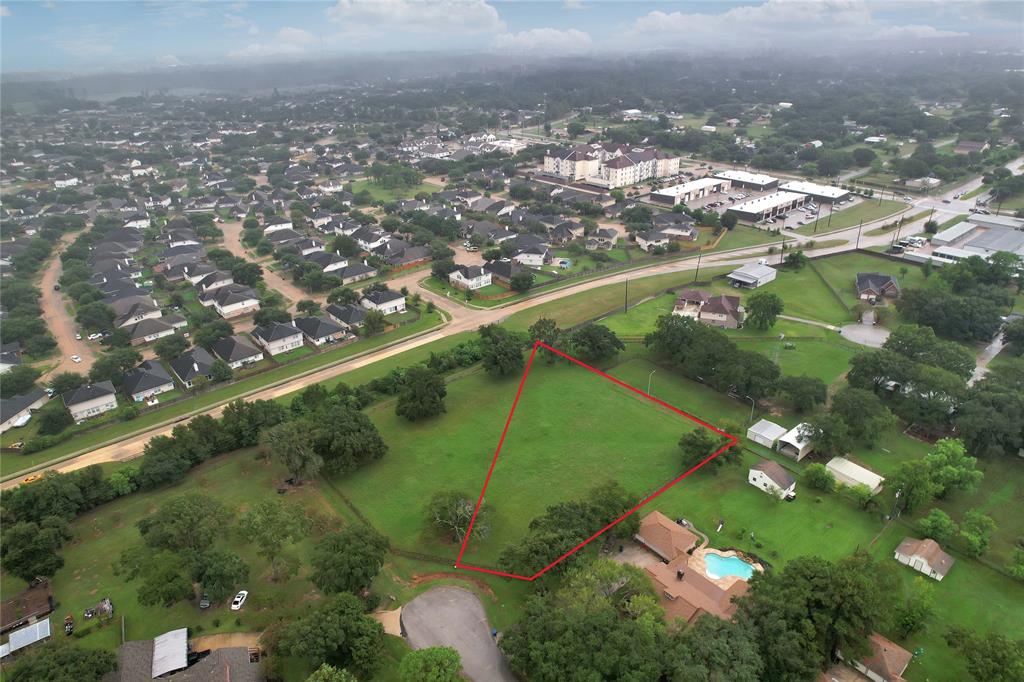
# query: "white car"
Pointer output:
{"type": "Point", "coordinates": [239, 599]}
{"type": "Point", "coordinates": [78, 337]}
{"type": "Point", "coordinates": [93, 337]}
{"type": "Point", "coordinates": [76, 358]}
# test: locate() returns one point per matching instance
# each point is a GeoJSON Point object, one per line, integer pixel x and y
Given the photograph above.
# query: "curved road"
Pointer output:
{"type": "Point", "coordinates": [469, 319]}
{"type": "Point", "coordinates": [233, 243]}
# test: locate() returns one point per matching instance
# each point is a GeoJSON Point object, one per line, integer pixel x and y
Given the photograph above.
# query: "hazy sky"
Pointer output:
{"type": "Point", "coordinates": [83, 35]}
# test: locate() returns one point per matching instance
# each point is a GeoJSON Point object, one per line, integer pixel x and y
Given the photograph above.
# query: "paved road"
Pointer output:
{"type": "Point", "coordinates": [60, 322]}
{"type": "Point", "coordinates": [985, 357]}
{"type": "Point", "coordinates": [233, 243]}
{"type": "Point", "coordinates": [469, 319]}
{"type": "Point", "coordinates": [454, 617]}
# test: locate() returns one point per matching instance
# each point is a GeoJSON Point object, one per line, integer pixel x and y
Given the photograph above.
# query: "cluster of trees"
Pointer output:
{"type": "Point", "coordinates": [590, 342]}
{"type": "Point", "coordinates": [708, 355]}
{"type": "Point", "coordinates": [990, 418]}
{"type": "Point", "coordinates": [24, 322]}
{"type": "Point", "coordinates": [922, 377]}
{"type": "Point", "coordinates": [394, 175]}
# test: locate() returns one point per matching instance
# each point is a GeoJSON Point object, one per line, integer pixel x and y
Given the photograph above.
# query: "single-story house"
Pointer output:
{"type": "Point", "coordinates": [875, 285]}
{"type": "Point", "coordinates": [17, 410]}
{"type": "Point", "coordinates": [652, 239]}
{"type": "Point", "coordinates": [924, 556]}
{"type": "Point", "coordinates": [387, 302]}
{"type": "Point", "coordinates": [772, 478]}
{"type": "Point", "coordinates": [752, 276]}
{"type": "Point", "coordinates": [148, 379]}
{"type": "Point", "coordinates": [356, 273]}
{"type": "Point", "coordinates": [319, 330]}
{"type": "Point", "coordinates": [796, 442]}
{"type": "Point", "coordinates": [191, 365]}
{"type": "Point", "coordinates": [26, 607]}
{"type": "Point", "coordinates": [277, 337]}
{"type": "Point", "coordinates": [469, 277]}
{"type": "Point", "coordinates": [90, 400]}
{"type": "Point", "coordinates": [851, 474]}
{"type": "Point", "coordinates": [236, 351]}
{"type": "Point", "coordinates": [665, 537]}
{"type": "Point", "coordinates": [766, 433]}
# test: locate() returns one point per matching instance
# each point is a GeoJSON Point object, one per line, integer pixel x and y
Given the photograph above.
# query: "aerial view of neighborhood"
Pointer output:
{"type": "Point", "coordinates": [494, 340]}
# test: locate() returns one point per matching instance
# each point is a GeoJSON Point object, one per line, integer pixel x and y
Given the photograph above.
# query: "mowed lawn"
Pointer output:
{"type": "Point", "coordinates": [384, 194]}
{"type": "Point", "coordinates": [866, 210]}
{"type": "Point", "coordinates": [572, 431]}
{"type": "Point", "coordinates": [841, 272]}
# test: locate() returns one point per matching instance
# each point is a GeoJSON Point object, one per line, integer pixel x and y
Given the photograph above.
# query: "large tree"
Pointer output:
{"type": "Point", "coordinates": [433, 664]}
{"type": "Point", "coordinates": [192, 521]}
{"type": "Point", "coordinates": [422, 395]}
{"type": "Point", "coordinates": [292, 443]}
{"type": "Point", "coordinates": [348, 561]}
{"type": "Point", "coordinates": [716, 650]}
{"type": "Point", "coordinates": [863, 412]}
{"type": "Point", "coordinates": [763, 309]}
{"type": "Point", "coordinates": [271, 524]}
{"type": "Point", "coordinates": [450, 511]}
{"type": "Point", "coordinates": [993, 657]}
{"type": "Point", "coordinates": [337, 631]}
{"type": "Point", "coordinates": [220, 573]}
{"type": "Point", "coordinates": [30, 550]}
{"type": "Point", "coordinates": [346, 439]}
{"type": "Point", "coordinates": [595, 342]}
{"type": "Point", "coordinates": [804, 393]}
{"type": "Point", "coordinates": [59, 661]}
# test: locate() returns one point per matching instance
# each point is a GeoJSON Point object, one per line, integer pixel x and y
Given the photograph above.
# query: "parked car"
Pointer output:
{"type": "Point", "coordinates": [31, 478]}
{"type": "Point", "coordinates": [76, 358]}
{"type": "Point", "coordinates": [239, 599]}
{"type": "Point", "coordinates": [204, 602]}
{"type": "Point", "coordinates": [93, 337]}
{"type": "Point", "coordinates": [78, 337]}
{"type": "Point", "coordinates": [49, 392]}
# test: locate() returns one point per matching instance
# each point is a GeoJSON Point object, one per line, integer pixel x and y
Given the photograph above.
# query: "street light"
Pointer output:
{"type": "Point", "coordinates": [649, 377]}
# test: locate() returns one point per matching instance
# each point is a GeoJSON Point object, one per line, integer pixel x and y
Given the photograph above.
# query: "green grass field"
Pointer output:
{"type": "Point", "coordinates": [866, 210]}
{"type": "Point", "coordinates": [841, 272]}
{"type": "Point", "coordinates": [381, 194]}
{"type": "Point", "coordinates": [743, 236]}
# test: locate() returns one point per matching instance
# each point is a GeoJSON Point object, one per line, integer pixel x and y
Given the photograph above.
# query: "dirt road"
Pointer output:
{"type": "Point", "coordinates": [60, 322]}
{"type": "Point", "coordinates": [233, 243]}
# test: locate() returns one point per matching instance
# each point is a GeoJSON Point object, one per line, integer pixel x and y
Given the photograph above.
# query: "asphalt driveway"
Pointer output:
{"type": "Point", "coordinates": [454, 617]}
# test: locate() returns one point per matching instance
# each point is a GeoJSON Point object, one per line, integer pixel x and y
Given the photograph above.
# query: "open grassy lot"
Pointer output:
{"type": "Point", "coordinates": [866, 210]}
{"type": "Point", "coordinates": [382, 194]}
{"type": "Point", "coordinates": [825, 359]}
{"type": "Point", "coordinates": [742, 236]}
{"type": "Point", "coordinates": [804, 294]}
{"type": "Point", "coordinates": [11, 463]}
{"type": "Point", "coordinates": [540, 463]}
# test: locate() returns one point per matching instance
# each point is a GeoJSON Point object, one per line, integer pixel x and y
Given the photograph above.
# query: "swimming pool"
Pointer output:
{"type": "Point", "coordinates": [718, 566]}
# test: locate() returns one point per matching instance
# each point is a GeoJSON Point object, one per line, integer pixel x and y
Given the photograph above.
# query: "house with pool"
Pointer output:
{"type": "Point", "coordinates": [691, 578]}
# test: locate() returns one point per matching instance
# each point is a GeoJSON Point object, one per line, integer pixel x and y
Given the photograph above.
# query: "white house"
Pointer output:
{"type": "Point", "coordinates": [277, 338]}
{"type": "Point", "coordinates": [534, 256]}
{"type": "Point", "coordinates": [17, 411]}
{"type": "Point", "coordinates": [772, 478]}
{"type": "Point", "coordinates": [924, 556]}
{"type": "Point", "coordinates": [276, 225]}
{"type": "Point", "coordinates": [470, 277]}
{"type": "Point", "coordinates": [796, 442]}
{"type": "Point", "coordinates": [850, 474]}
{"type": "Point", "coordinates": [147, 380]}
{"type": "Point", "coordinates": [654, 238]}
{"type": "Point", "coordinates": [233, 300]}
{"type": "Point", "coordinates": [90, 400]}
{"type": "Point", "coordinates": [386, 302]}
{"type": "Point", "coordinates": [766, 433]}
{"type": "Point", "coordinates": [65, 181]}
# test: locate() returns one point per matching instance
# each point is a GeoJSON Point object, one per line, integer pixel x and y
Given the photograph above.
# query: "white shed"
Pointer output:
{"type": "Point", "coordinates": [766, 433]}
{"type": "Point", "coordinates": [850, 474]}
{"type": "Point", "coordinates": [796, 442]}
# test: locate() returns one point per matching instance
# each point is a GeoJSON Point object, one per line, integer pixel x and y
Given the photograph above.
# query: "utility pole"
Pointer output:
{"type": "Point", "coordinates": [625, 300]}
{"type": "Point", "coordinates": [857, 246]}
{"type": "Point", "coordinates": [696, 273]}
{"type": "Point", "coordinates": [782, 249]}
{"type": "Point", "coordinates": [830, 215]}
{"type": "Point", "coordinates": [817, 213]}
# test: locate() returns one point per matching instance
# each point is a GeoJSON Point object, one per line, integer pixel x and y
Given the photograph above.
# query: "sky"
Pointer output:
{"type": "Point", "coordinates": [82, 36]}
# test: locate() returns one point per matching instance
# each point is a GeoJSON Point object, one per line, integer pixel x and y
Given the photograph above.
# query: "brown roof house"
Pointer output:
{"type": "Point", "coordinates": [715, 311]}
{"type": "Point", "coordinates": [924, 556]}
{"type": "Point", "coordinates": [875, 285]}
{"type": "Point", "coordinates": [886, 662]}
{"type": "Point", "coordinates": [684, 588]}
{"type": "Point", "coordinates": [772, 477]}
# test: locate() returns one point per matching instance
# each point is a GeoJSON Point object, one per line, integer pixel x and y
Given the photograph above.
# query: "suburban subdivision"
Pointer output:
{"type": "Point", "coordinates": [452, 347]}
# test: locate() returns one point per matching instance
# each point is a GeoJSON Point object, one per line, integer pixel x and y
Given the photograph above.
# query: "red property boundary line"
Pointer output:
{"type": "Point", "coordinates": [494, 460]}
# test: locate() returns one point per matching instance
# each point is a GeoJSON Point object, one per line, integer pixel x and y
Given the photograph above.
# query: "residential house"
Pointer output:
{"type": "Point", "coordinates": [277, 337]}
{"type": "Point", "coordinates": [968, 146]}
{"type": "Point", "coordinates": [772, 478]}
{"type": "Point", "coordinates": [886, 663]}
{"type": "Point", "coordinates": [276, 224]}
{"type": "Point", "coordinates": [502, 271]}
{"type": "Point", "coordinates": [874, 285]}
{"type": "Point", "coordinates": [10, 356]}
{"type": "Point", "coordinates": [328, 262]}
{"type": "Point", "coordinates": [652, 239]}
{"type": "Point", "coordinates": [191, 365]}
{"type": "Point", "coordinates": [470, 277]}
{"type": "Point", "coordinates": [356, 272]}
{"type": "Point", "coordinates": [150, 378]}
{"type": "Point", "coordinates": [319, 330]}
{"type": "Point", "coordinates": [90, 400]}
{"type": "Point", "coordinates": [149, 330]}
{"type": "Point", "coordinates": [716, 311]}
{"type": "Point", "coordinates": [233, 300]}
{"type": "Point", "coordinates": [602, 238]}
{"type": "Point", "coordinates": [534, 256]}
{"type": "Point", "coordinates": [236, 351]}
{"type": "Point", "coordinates": [17, 410]}
{"type": "Point", "coordinates": [386, 302]}
{"type": "Point", "coordinates": [924, 556]}
{"type": "Point", "coordinates": [348, 316]}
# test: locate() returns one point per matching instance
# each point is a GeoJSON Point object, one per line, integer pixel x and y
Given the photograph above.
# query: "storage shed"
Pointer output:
{"type": "Point", "coordinates": [850, 474]}
{"type": "Point", "coordinates": [766, 433]}
{"type": "Point", "coordinates": [796, 442]}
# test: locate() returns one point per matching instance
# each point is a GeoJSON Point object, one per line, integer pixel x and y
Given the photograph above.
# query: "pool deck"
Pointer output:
{"type": "Point", "coordinates": [697, 562]}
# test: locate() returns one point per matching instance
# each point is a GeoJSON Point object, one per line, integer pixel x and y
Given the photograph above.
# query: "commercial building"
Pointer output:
{"type": "Point", "coordinates": [995, 239]}
{"type": "Point", "coordinates": [768, 206]}
{"type": "Point", "coordinates": [690, 191]}
{"type": "Point", "coordinates": [823, 193]}
{"type": "Point", "coordinates": [747, 180]}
